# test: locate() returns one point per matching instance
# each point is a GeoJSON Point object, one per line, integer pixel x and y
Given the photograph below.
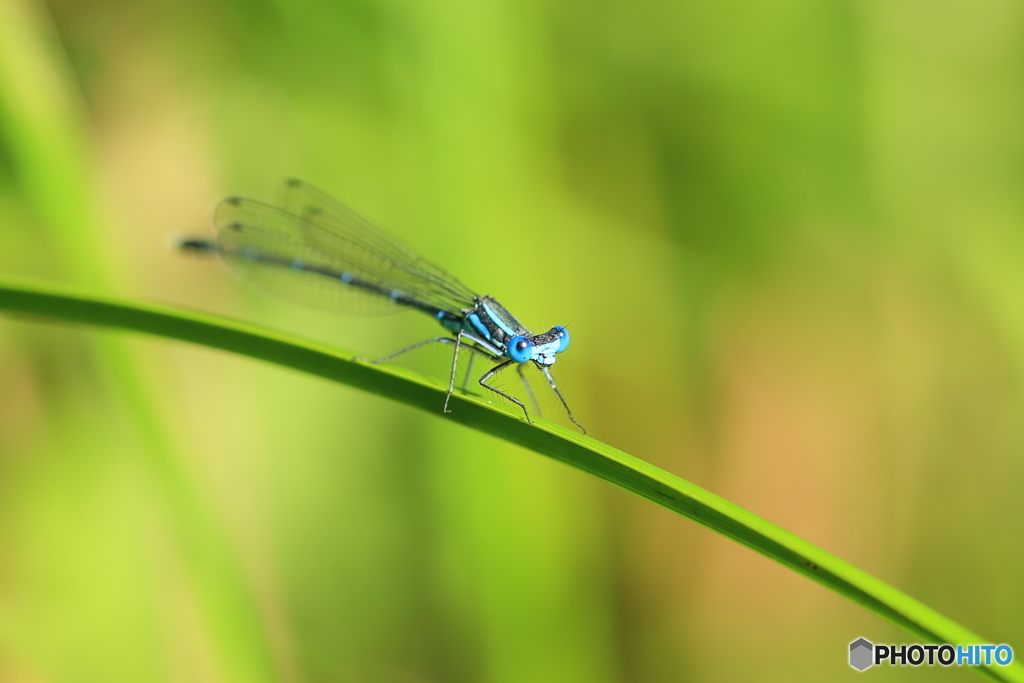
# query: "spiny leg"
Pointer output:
{"type": "Point", "coordinates": [432, 340]}
{"type": "Point", "coordinates": [469, 371]}
{"type": "Point", "coordinates": [529, 389]}
{"type": "Point", "coordinates": [435, 340]}
{"type": "Point", "coordinates": [481, 347]}
{"type": "Point", "coordinates": [477, 345]}
{"type": "Point", "coordinates": [551, 381]}
{"type": "Point", "coordinates": [491, 373]}
{"type": "Point", "coordinates": [484, 348]}
{"type": "Point", "coordinates": [451, 377]}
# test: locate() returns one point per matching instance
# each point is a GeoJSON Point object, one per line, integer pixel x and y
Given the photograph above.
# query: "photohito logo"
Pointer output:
{"type": "Point", "coordinates": [864, 654]}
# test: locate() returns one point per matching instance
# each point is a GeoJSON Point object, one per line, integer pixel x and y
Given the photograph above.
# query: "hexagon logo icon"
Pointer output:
{"type": "Point", "coordinates": [860, 654]}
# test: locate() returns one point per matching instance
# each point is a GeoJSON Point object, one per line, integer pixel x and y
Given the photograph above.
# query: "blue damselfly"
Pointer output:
{"type": "Point", "coordinates": [315, 250]}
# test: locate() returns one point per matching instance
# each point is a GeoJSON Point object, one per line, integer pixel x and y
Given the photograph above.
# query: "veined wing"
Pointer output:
{"type": "Point", "coordinates": [317, 207]}
{"type": "Point", "coordinates": [305, 262]}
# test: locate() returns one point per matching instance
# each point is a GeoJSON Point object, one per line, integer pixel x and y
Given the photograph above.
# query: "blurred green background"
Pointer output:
{"type": "Point", "coordinates": [788, 239]}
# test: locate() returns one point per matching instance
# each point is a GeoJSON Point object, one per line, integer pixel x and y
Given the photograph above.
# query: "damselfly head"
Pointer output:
{"type": "Point", "coordinates": [540, 348]}
{"type": "Point", "coordinates": [556, 339]}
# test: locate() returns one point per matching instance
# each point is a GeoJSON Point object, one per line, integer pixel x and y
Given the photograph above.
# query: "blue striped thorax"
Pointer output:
{"type": "Point", "coordinates": [493, 323]}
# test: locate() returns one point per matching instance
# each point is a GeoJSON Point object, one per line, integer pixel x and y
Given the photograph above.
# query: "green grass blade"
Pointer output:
{"type": "Point", "coordinates": [571, 448]}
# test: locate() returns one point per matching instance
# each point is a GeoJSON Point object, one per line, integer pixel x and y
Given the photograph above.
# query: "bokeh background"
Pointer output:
{"type": "Point", "coordinates": [788, 239]}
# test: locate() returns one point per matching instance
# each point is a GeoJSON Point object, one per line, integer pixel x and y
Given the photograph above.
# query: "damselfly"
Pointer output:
{"type": "Point", "coordinates": [314, 250]}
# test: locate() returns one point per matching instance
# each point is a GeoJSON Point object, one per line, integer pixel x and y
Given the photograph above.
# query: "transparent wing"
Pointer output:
{"type": "Point", "coordinates": [300, 259]}
{"type": "Point", "coordinates": [434, 284]}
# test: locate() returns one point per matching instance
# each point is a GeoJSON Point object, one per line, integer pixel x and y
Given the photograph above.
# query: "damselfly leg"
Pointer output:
{"type": "Point", "coordinates": [494, 371]}
{"type": "Point", "coordinates": [433, 340]}
{"type": "Point", "coordinates": [473, 343]}
{"type": "Point", "coordinates": [469, 371]}
{"type": "Point", "coordinates": [551, 382]}
{"type": "Point", "coordinates": [529, 389]}
{"type": "Point", "coordinates": [476, 344]}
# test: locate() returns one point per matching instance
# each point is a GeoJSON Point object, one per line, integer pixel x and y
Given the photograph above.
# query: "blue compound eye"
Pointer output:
{"type": "Point", "coordinates": [520, 349]}
{"type": "Point", "coordinates": [563, 341]}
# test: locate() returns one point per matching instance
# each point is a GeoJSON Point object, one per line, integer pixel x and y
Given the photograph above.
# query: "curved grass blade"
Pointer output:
{"type": "Point", "coordinates": [581, 452]}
